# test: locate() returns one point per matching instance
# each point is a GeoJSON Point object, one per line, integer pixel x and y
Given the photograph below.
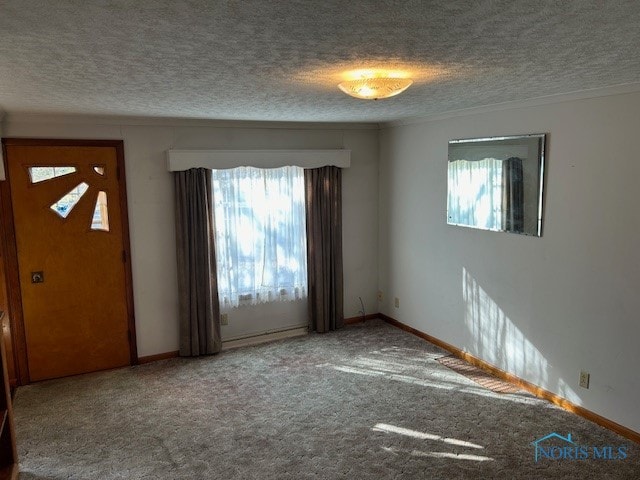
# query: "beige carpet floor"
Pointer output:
{"type": "Point", "coordinates": [367, 402]}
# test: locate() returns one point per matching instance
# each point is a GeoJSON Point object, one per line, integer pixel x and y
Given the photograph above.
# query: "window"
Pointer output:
{"type": "Point", "coordinates": [65, 204]}
{"type": "Point", "coordinates": [40, 174]}
{"type": "Point", "coordinates": [260, 235]}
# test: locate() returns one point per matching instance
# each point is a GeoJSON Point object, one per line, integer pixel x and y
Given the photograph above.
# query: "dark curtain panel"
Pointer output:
{"type": "Point", "coordinates": [197, 284]}
{"type": "Point", "coordinates": [512, 195]}
{"type": "Point", "coordinates": [323, 189]}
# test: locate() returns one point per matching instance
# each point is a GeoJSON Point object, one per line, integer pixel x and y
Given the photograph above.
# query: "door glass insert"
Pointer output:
{"type": "Point", "coordinates": [40, 174]}
{"type": "Point", "coordinates": [64, 206]}
{"type": "Point", "coordinates": [100, 214]}
{"type": "Point", "coordinates": [99, 170]}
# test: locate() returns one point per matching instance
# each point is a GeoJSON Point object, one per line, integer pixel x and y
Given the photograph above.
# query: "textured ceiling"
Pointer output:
{"type": "Point", "coordinates": [282, 60]}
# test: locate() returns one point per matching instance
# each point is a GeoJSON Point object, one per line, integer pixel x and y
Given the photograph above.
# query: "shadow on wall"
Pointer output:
{"type": "Point", "coordinates": [498, 341]}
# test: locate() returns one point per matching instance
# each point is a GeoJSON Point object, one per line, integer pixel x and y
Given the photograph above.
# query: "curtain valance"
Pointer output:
{"type": "Point", "coordinates": [179, 160]}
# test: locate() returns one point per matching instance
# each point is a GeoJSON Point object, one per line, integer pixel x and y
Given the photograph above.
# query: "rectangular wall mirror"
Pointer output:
{"type": "Point", "coordinates": [496, 183]}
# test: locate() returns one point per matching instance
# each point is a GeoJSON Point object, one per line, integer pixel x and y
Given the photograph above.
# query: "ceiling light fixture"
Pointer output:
{"type": "Point", "coordinates": [373, 87]}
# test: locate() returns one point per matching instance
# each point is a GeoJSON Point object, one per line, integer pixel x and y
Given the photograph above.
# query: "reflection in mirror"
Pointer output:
{"type": "Point", "coordinates": [496, 183]}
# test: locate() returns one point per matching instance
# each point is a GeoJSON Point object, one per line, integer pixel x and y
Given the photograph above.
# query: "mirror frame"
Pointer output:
{"type": "Point", "coordinates": [508, 140]}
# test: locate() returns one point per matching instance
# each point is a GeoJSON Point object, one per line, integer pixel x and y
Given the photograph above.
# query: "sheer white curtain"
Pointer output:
{"type": "Point", "coordinates": [475, 193]}
{"type": "Point", "coordinates": [260, 235]}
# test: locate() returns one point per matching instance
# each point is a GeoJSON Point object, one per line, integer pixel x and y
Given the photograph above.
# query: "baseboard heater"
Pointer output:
{"type": "Point", "coordinates": [266, 336]}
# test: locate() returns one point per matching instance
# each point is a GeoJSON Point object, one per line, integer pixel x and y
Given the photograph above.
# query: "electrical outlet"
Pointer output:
{"type": "Point", "coordinates": [397, 302]}
{"type": "Point", "coordinates": [224, 319]}
{"type": "Point", "coordinates": [584, 379]}
{"type": "Point", "coordinates": [379, 295]}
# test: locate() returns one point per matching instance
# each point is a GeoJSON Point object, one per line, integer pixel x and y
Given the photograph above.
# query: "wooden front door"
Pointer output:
{"type": "Point", "coordinates": [71, 235]}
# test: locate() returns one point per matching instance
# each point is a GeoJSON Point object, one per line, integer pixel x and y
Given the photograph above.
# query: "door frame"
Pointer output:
{"type": "Point", "coordinates": [10, 252]}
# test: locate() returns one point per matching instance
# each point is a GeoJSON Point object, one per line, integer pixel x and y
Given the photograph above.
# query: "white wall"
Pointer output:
{"type": "Point", "coordinates": [541, 308]}
{"type": "Point", "coordinates": [151, 211]}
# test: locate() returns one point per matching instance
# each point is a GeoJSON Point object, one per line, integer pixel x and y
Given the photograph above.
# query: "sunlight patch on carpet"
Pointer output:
{"type": "Point", "coordinates": [383, 427]}
{"type": "Point", "coordinates": [455, 456]}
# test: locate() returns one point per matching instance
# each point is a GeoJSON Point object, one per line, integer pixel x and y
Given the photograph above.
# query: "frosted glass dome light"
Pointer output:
{"type": "Point", "coordinates": [375, 87]}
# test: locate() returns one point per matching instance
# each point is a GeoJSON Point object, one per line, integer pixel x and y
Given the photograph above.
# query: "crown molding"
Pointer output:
{"type": "Point", "coordinates": [111, 120]}
{"type": "Point", "coordinates": [622, 89]}
{"type": "Point", "coordinates": [115, 120]}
